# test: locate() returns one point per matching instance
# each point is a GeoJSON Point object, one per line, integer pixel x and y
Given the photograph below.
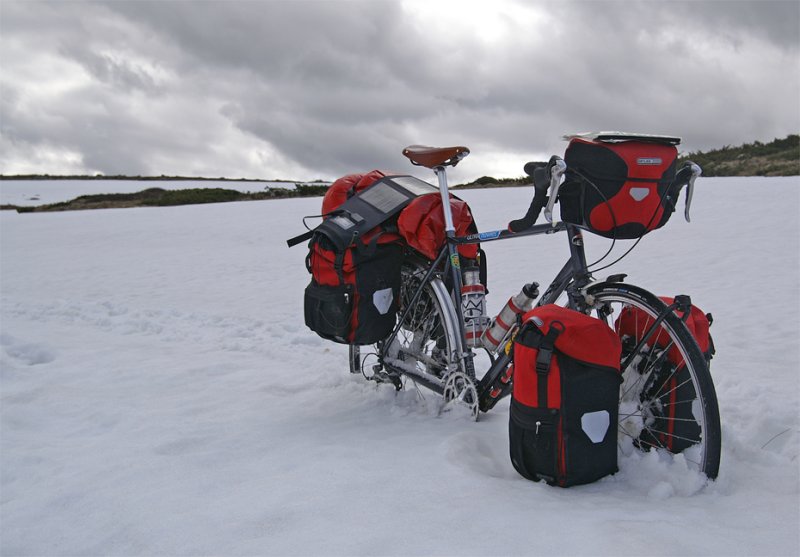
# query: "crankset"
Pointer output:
{"type": "Point", "coordinates": [459, 390]}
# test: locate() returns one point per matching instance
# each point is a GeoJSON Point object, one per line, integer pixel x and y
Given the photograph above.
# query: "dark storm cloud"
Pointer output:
{"type": "Point", "coordinates": [324, 88]}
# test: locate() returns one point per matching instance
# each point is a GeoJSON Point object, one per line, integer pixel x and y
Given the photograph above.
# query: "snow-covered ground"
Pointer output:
{"type": "Point", "coordinates": [25, 193]}
{"type": "Point", "coordinates": [160, 395]}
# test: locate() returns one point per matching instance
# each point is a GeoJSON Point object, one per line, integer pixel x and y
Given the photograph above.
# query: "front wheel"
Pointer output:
{"type": "Point", "coordinates": [667, 398]}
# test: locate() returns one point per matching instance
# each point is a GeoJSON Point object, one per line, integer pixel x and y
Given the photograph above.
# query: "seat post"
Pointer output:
{"type": "Point", "coordinates": [441, 174]}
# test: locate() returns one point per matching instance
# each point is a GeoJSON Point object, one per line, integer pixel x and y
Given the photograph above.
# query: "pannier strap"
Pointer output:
{"type": "Point", "coordinates": [299, 239]}
{"type": "Point", "coordinates": [546, 347]}
{"type": "Point", "coordinates": [544, 358]}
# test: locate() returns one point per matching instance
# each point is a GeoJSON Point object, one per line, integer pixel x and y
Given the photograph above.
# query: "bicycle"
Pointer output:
{"type": "Point", "coordinates": [428, 343]}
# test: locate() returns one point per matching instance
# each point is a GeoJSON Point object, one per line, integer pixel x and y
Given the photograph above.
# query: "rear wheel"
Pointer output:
{"type": "Point", "coordinates": [426, 342]}
{"type": "Point", "coordinates": [667, 398]}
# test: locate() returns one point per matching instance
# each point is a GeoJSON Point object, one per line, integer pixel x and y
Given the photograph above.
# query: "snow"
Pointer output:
{"type": "Point", "coordinates": [160, 395]}
{"type": "Point", "coordinates": [25, 193]}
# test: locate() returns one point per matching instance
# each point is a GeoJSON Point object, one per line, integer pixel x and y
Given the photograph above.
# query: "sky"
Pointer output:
{"type": "Point", "coordinates": [306, 90]}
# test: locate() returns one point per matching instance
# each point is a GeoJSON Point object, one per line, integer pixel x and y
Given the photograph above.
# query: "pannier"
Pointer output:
{"type": "Point", "coordinates": [354, 292]}
{"type": "Point", "coordinates": [565, 396]}
{"type": "Point", "coordinates": [674, 426]}
{"type": "Point", "coordinates": [422, 225]}
{"type": "Point", "coordinates": [355, 256]}
{"type": "Point", "coordinates": [619, 188]}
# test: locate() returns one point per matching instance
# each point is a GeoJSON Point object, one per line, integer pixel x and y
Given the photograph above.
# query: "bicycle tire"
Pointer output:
{"type": "Point", "coordinates": [647, 427]}
{"type": "Point", "coordinates": [427, 341]}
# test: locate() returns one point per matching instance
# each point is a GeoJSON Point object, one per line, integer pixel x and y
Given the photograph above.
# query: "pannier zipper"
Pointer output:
{"type": "Point", "coordinates": [537, 427]}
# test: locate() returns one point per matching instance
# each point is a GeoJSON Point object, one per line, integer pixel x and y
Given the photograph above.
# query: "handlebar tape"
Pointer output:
{"type": "Point", "coordinates": [537, 204]}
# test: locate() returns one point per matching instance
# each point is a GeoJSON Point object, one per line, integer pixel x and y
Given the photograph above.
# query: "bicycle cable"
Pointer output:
{"type": "Point", "coordinates": [613, 218]}
{"type": "Point", "coordinates": [662, 198]}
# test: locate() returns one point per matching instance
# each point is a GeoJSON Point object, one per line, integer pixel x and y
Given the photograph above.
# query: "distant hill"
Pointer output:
{"type": "Point", "coordinates": [780, 157]}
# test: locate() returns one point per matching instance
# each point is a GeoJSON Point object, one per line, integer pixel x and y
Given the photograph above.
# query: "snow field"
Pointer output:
{"type": "Point", "coordinates": [159, 394]}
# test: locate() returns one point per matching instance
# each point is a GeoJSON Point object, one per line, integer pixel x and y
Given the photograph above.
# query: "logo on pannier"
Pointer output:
{"type": "Point", "coordinates": [639, 193]}
{"type": "Point", "coordinates": [595, 425]}
{"type": "Point", "coordinates": [382, 299]}
{"type": "Point", "coordinates": [649, 161]}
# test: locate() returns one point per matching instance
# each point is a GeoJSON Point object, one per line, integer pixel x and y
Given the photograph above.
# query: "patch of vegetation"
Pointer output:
{"type": "Point", "coordinates": [161, 178]}
{"type": "Point", "coordinates": [780, 157]}
{"type": "Point", "coordinates": [157, 197]}
{"type": "Point", "coordinates": [490, 182]}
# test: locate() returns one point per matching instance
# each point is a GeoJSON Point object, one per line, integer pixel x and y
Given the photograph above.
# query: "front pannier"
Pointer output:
{"type": "Point", "coordinates": [674, 426]}
{"type": "Point", "coordinates": [564, 406]}
{"type": "Point", "coordinates": [619, 189]}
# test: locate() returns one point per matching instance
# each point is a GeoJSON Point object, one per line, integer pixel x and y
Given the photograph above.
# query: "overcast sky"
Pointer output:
{"type": "Point", "coordinates": [312, 89]}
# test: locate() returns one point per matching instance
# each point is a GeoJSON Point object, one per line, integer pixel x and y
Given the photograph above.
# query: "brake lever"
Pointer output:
{"type": "Point", "coordinates": [696, 171]}
{"type": "Point", "coordinates": [556, 172]}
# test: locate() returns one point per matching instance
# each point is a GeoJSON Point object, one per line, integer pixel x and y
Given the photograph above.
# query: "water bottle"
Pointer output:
{"type": "Point", "coordinates": [473, 305]}
{"type": "Point", "coordinates": [497, 331]}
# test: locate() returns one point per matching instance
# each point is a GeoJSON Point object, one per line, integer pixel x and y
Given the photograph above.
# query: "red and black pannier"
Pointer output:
{"type": "Point", "coordinates": [355, 283]}
{"type": "Point", "coordinates": [564, 406]}
{"type": "Point", "coordinates": [354, 292]}
{"type": "Point", "coordinates": [675, 426]}
{"type": "Point", "coordinates": [619, 188]}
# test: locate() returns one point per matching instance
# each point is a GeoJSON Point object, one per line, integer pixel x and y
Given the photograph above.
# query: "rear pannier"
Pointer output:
{"type": "Point", "coordinates": [619, 189]}
{"type": "Point", "coordinates": [564, 406]}
{"type": "Point", "coordinates": [355, 256]}
{"type": "Point", "coordinates": [354, 292]}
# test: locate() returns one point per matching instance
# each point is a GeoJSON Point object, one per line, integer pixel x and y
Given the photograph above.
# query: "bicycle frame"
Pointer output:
{"type": "Point", "coordinates": [573, 276]}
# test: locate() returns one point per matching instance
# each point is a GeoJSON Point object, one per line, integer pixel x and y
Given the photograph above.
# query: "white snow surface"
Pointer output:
{"type": "Point", "coordinates": [160, 395]}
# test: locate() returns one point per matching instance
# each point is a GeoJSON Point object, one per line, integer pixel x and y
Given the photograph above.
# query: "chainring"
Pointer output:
{"type": "Point", "coordinates": [460, 390]}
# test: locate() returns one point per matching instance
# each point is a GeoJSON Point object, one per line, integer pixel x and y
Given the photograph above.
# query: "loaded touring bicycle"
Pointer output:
{"type": "Point", "coordinates": [409, 303]}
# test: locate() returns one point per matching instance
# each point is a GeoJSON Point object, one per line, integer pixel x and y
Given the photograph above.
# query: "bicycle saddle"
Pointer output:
{"type": "Point", "coordinates": [431, 157]}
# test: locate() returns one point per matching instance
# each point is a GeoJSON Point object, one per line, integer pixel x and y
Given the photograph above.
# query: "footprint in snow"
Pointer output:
{"type": "Point", "coordinates": [28, 353]}
{"type": "Point", "coordinates": [477, 454]}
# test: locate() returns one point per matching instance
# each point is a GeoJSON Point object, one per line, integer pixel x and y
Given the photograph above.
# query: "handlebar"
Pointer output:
{"type": "Point", "coordinates": [549, 177]}
{"type": "Point", "coordinates": [544, 178]}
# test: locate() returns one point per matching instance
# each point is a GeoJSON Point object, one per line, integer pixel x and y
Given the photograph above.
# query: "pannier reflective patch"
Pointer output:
{"type": "Point", "coordinates": [595, 425]}
{"type": "Point", "coordinates": [639, 193]}
{"type": "Point", "coordinates": [382, 299]}
{"type": "Point", "coordinates": [649, 161]}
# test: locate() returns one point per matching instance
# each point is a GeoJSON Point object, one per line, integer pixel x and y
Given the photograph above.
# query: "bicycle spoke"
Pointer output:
{"type": "Point", "coordinates": [634, 415]}
{"type": "Point", "coordinates": [675, 388]}
{"type": "Point", "coordinates": [692, 441]}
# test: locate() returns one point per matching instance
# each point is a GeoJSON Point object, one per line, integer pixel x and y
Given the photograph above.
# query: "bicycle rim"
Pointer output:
{"type": "Point", "coordinates": [667, 398]}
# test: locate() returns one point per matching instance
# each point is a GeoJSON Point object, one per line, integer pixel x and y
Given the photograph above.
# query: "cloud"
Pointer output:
{"type": "Point", "coordinates": [318, 89]}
